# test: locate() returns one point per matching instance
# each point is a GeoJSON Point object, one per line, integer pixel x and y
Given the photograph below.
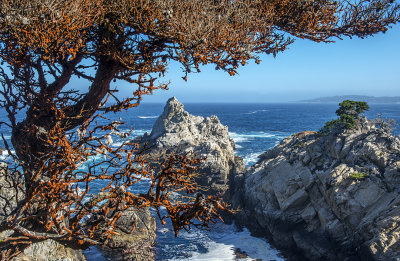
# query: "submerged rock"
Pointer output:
{"type": "Point", "coordinates": [330, 197]}
{"type": "Point", "coordinates": [178, 132]}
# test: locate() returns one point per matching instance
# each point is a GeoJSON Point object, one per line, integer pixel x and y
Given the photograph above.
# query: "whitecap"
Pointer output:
{"type": "Point", "coordinates": [257, 111]}
{"type": "Point", "coordinates": [251, 158]}
{"type": "Point", "coordinates": [148, 117]}
{"type": "Point", "coordinates": [240, 137]}
{"type": "Point", "coordinates": [140, 132]}
{"type": "Point", "coordinates": [251, 112]}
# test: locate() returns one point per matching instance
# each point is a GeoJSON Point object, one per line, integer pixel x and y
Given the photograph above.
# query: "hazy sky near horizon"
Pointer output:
{"type": "Point", "coordinates": [306, 70]}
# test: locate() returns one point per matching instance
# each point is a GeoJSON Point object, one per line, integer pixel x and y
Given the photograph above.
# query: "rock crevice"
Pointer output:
{"type": "Point", "coordinates": [333, 196]}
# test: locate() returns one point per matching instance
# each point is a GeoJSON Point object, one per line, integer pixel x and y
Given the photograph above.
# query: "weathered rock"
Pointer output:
{"type": "Point", "coordinates": [8, 197]}
{"type": "Point", "coordinates": [136, 245]}
{"type": "Point", "coordinates": [178, 132]}
{"type": "Point", "coordinates": [47, 250]}
{"type": "Point", "coordinates": [332, 197]}
{"type": "Point", "coordinates": [50, 250]}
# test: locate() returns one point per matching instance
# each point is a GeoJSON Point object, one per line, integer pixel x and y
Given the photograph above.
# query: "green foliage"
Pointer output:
{"type": "Point", "coordinates": [348, 112]}
{"type": "Point", "coordinates": [358, 175]}
{"type": "Point", "coordinates": [354, 108]}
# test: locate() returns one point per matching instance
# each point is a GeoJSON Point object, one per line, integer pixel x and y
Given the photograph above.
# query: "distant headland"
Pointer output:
{"type": "Point", "coordinates": [369, 99]}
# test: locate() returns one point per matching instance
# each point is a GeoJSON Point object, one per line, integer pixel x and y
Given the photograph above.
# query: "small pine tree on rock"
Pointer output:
{"type": "Point", "coordinates": [348, 112]}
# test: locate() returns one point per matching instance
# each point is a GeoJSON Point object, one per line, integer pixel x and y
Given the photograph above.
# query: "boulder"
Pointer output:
{"type": "Point", "coordinates": [50, 250]}
{"type": "Point", "coordinates": [178, 132]}
{"type": "Point", "coordinates": [327, 197]}
{"type": "Point", "coordinates": [128, 244]}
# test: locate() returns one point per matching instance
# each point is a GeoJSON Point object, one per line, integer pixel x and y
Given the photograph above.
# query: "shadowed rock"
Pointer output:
{"type": "Point", "coordinates": [330, 197]}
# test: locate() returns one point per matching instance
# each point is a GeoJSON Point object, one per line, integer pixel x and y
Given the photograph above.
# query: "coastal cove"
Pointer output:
{"type": "Point", "coordinates": [255, 128]}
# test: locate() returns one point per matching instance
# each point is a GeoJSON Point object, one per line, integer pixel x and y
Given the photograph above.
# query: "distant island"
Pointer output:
{"type": "Point", "coordinates": [369, 99]}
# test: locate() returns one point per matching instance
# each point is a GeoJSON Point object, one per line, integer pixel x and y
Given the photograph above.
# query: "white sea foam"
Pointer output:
{"type": "Point", "coordinates": [148, 117]}
{"type": "Point", "coordinates": [135, 132]}
{"type": "Point", "coordinates": [163, 230]}
{"type": "Point", "coordinates": [4, 154]}
{"type": "Point", "coordinates": [241, 137]}
{"type": "Point", "coordinates": [251, 158]}
{"type": "Point", "coordinates": [222, 242]}
{"type": "Point", "coordinates": [139, 132]}
{"type": "Point", "coordinates": [257, 111]}
{"type": "Point", "coordinates": [238, 138]}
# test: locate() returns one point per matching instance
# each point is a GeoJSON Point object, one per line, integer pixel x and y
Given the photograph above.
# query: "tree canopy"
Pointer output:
{"type": "Point", "coordinates": [45, 43]}
{"type": "Point", "coordinates": [348, 112]}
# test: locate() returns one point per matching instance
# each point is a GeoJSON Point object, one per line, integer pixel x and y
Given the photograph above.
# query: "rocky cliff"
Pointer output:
{"type": "Point", "coordinates": [178, 132]}
{"type": "Point", "coordinates": [327, 197]}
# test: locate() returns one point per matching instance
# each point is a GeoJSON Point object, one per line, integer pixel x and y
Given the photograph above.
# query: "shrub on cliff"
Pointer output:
{"type": "Point", "coordinates": [348, 112]}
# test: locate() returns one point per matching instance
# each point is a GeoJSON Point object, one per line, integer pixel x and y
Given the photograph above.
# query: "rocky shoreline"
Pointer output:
{"type": "Point", "coordinates": [331, 196]}
{"type": "Point", "coordinates": [327, 197]}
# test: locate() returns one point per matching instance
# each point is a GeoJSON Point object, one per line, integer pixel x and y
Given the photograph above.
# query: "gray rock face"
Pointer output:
{"type": "Point", "coordinates": [50, 250]}
{"type": "Point", "coordinates": [136, 245]}
{"type": "Point", "coordinates": [178, 132]}
{"type": "Point", "coordinates": [332, 197]}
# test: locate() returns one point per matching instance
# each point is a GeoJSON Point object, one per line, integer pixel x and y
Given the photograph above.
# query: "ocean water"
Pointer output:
{"type": "Point", "coordinates": [255, 128]}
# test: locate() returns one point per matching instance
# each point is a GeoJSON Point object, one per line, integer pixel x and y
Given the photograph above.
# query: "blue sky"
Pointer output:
{"type": "Point", "coordinates": [307, 70]}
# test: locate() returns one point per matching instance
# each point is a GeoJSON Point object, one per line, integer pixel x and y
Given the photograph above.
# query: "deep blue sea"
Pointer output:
{"type": "Point", "coordinates": [255, 128]}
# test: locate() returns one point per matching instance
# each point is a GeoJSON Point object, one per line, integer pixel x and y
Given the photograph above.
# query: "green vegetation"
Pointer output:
{"type": "Point", "coordinates": [348, 112]}
{"type": "Point", "coordinates": [359, 175]}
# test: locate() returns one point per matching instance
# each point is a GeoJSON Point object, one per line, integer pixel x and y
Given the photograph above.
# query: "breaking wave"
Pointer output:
{"type": "Point", "coordinates": [247, 137]}
{"type": "Point", "coordinates": [148, 117]}
{"type": "Point", "coordinates": [254, 112]}
{"type": "Point", "coordinates": [223, 242]}
{"type": "Point", "coordinates": [251, 158]}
